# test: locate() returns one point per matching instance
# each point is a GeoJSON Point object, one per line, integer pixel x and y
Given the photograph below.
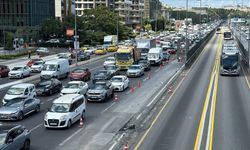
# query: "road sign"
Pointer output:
{"type": "Point", "coordinates": [76, 36]}
{"type": "Point", "coordinates": [76, 44]}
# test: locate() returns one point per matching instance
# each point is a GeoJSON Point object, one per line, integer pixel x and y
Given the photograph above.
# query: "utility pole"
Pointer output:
{"type": "Point", "coordinates": [76, 43]}
{"type": "Point", "coordinates": [186, 39]}
{"type": "Point", "coordinates": [248, 43]}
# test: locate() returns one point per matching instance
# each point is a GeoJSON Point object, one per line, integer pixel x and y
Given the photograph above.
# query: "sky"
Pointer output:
{"type": "Point", "coordinates": [210, 3]}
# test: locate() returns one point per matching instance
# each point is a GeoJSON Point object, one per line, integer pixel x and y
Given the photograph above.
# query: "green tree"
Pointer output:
{"type": "Point", "coordinates": [9, 36]}
{"type": "Point", "coordinates": [51, 28]}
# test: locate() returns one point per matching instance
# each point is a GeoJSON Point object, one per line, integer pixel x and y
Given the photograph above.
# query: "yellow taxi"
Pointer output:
{"type": "Point", "coordinates": [112, 48]}
{"type": "Point", "coordinates": [100, 51]}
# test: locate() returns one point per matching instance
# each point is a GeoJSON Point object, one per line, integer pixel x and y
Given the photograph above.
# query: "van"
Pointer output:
{"type": "Point", "coordinates": [155, 56]}
{"type": "Point", "coordinates": [65, 111]}
{"type": "Point", "coordinates": [58, 68]}
{"type": "Point", "coordinates": [23, 90]}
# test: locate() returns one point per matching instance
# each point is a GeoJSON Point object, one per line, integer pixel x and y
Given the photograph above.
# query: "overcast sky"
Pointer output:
{"type": "Point", "coordinates": [211, 3]}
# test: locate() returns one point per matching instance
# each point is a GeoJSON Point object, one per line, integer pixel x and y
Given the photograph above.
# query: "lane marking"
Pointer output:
{"type": "Point", "coordinates": [157, 70]}
{"type": "Point", "coordinates": [138, 116]}
{"type": "Point", "coordinates": [144, 79]}
{"type": "Point", "coordinates": [36, 127]}
{"type": "Point", "coordinates": [108, 108]}
{"type": "Point", "coordinates": [70, 137]}
{"type": "Point", "coordinates": [245, 76]}
{"type": "Point", "coordinates": [112, 147]}
{"type": "Point", "coordinates": [170, 98]}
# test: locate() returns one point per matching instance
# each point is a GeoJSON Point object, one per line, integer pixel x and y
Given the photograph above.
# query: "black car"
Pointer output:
{"type": "Point", "coordinates": [48, 87]}
{"type": "Point", "coordinates": [145, 63]}
{"type": "Point", "coordinates": [166, 56]}
{"type": "Point", "coordinates": [81, 56]}
{"type": "Point", "coordinates": [14, 137]}
{"type": "Point", "coordinates": [102, 75]}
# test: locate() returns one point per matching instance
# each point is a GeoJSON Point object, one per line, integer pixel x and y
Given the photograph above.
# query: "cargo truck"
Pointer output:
{"type": "Point", "coordinates": [144, 45]}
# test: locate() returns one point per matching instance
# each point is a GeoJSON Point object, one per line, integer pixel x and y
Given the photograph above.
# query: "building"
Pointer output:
{"type": "Point", "coordinates": [19, 13]}
{"type": "Point", "coordinates": [165, 12]}
{"type": "Point", "coordinates": [64, 8]}
{"type": "Point", "coordinates": [129, 10]}
{"type": "Point", "coordinates": [152, 9]}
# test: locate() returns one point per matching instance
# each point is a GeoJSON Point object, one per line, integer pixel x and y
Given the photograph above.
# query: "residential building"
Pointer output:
{"type": "Point", "coordinates": [152, 9]}
{"type": "Point", "coordinates": [64, 8]}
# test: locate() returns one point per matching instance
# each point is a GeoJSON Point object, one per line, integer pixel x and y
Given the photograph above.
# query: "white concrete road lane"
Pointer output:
{"type": "Point", "coordinates": [50, 139]}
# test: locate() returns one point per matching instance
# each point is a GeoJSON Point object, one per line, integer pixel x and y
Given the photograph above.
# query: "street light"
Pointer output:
{"type": "Point", "coordinates": [186, 39]}
{"type": "Point", "coordinates": [117, 24]}
{"type": "Point", "coordinates": [76, 43]}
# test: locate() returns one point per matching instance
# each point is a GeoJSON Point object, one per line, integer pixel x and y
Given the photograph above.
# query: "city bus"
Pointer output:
{"type": "Point", "coordinates": [227, 34]}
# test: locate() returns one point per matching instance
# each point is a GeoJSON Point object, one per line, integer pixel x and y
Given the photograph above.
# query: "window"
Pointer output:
{"type": "Point", "coordinates": [29, 101]}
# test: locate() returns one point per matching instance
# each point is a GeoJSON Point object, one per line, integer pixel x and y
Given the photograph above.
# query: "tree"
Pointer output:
{"type": "Point", "coordinates": [148, 27]}
{"type": "Point", "coordinates": [51, 28]}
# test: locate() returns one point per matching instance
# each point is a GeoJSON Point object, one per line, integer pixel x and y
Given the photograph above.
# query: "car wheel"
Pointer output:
{"type": "Point", "coordinates": [26, 145]}
{"type": "Point", "coordinates": [69, 124]}
{"type": "Point", "coordinates": [112, 95]}
{"type": "Point", "coordinates": [0, 76]}
{"type": "Point", "coordinates": [20, 116]}
{"type": "Point", "coordinates": [37, 109]}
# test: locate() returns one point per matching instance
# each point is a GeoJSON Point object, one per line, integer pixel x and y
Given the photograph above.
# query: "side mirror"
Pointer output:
{"type": "Point", "coordinates": [10, 141]}
{"type": "Point", "coordinates": [25, 105]}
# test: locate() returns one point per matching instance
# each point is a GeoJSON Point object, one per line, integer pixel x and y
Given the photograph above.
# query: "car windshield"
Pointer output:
{"type": "Point", "coordinates": [2, 137]}
{"type": "Point", "coordinates": [49, 67]}
{"type": "Point", "coordinates": [101, 73]}
{"type": "Point", "coordinates": [72, 86]}
{"type": "Point", "coordinates": [110, 59]}
{"type": "Point", "coordinates": [14, 102]}
{"type": "Point", "coordinates": [230, 62]}
{"type": "Point", "coordinates": [38, 63]}
{"type": "Point", "coordinates": [116, 79]}
{"type": "Point", "coordinates": [144, 50]}
{"type": "Point", "coordinates": [123, 56]}
{"type": "Point", "coordinates": [60, 108]}
{"type": "Point", "coordinates": [78, 71]}
{"type": "Point", "coordinates": [15, 91]}
{"type": "Point", "coordinates": [45, 83]}
{"type": "Point", "coordinates": [134, 67]}
{"type": "Point", "coordinates": [17, 68]}
{"type": "Point", "coordinates": [142, 61]}
{"type": "Point", "coordinates": [97, 86]}
{"type": "Point", "coordinates": [110, 67]}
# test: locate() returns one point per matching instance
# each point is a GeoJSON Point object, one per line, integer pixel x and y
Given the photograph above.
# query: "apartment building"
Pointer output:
{"type": "Point", "coordinates": [64, 8]}
{"type": "Point", "coordinates": [152, 9]}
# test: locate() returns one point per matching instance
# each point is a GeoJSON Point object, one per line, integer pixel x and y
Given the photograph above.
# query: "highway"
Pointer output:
{"type": "Point", "coordinates": [50, 138]}
{"type": "Point", "coordinates": [205, 111]}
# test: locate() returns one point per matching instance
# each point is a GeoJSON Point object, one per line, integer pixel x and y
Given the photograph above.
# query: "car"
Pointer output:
{"type": "Point", "coordinates": [65, 111]}
{"type": "Point", "coordinates": [25, 90]}
{"type": "Point", "coordinates": [31, 61]}
{"type": "Point", "coordinates": [13, 136]}
{"type": "Point", "coordinates": [145, 63]}
{"type": "Point", "coordinates": [4, 71]}
{"type": "Point", "coordinates": [54, 41]}
{"type": "Point", "coordinates": [48, 86]}
{"type": "Point", "coordinates": [101, 75]}
{"type": "Point", "coordinates": [120, 82]}
{"type": "Point", "coordinates": [19, 72]}
{"type": "Point", "coordinates": [100, 51]}
{"type": "Point", "coordinates": [17, 108]}
{"type": "Point", "coordinates": [166, 56]}
{"type": "Point", "coordinates": [75, 87]}
{"type": "Point", "coordinates": [100, 91]}
{"type": "Point", "coordinates": [64, 56]}
{"type": "Point", "coordinates": [109, 61]}
{"type": "Point", "coordinates": [83, 56]}
{"type": "Point", "coordinates": [135, 71]}
{"type": "Point", "coordinates": [37, 66]}
{"type": "Point", "coordinates": [82, 74]}
{"type": "Point", "coordinates": [113, 69]}
{"type": "Point", "coordinates": [90, 50]}
{"type": "Point", "coordinates": [112, 48]}
{"type": "Point", "coordinates": [42, 51]}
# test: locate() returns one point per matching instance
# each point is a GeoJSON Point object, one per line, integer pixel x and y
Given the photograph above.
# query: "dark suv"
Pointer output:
{"type": "Point", "coordinates": [4, 71]}
{"type": "Point", "coordinates": [14, 137]}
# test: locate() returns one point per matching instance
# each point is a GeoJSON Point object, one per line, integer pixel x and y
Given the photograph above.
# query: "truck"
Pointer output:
{"type": "Point", "coordinates": [230, 59]}
{"type": "Point", "coordinates": [110, 40]}
{"type": "Point", "coordinates": [126, 56]}
{"type": "Point", "coordinates": [144, 45]}
{"type": "Point", "coordinates": [155, 56]}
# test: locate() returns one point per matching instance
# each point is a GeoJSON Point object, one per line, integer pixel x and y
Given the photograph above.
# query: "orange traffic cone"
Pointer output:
{"type": "Point", "coordinates": [149, 76]}
{"type": "Point", "coordinates": [132, 89]}
{"type": "Point", "coordinates": [161, 66]}
{"type": "Point", "coordinates": [125, 146]}
{"type": "Point", "coordinates": [170, 89]}
{"type": "Point", "coordinates": [116, 98]}
{"type": "Point", "coordinates": [138, 84]}
{"type": "Point", "coordinates": [81, 122]}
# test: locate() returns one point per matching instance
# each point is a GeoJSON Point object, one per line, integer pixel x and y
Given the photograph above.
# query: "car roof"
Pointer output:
{"type": "Point", "coordinates": [7, 127]}
{"type": "Point", "coordinates": [76, 82]}
{"type": "Point", "coordinates": [68, 98]}
{"type": "Point", "coordinates": [23, 85]}
{"type": "Point", "coordinates": [119, 76]}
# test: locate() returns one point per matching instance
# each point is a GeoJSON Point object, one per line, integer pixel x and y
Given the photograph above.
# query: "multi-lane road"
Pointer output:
{"type": "Point", "coordinates": [206, 110]}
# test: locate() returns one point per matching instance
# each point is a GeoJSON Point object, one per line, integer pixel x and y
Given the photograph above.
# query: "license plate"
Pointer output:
{"type": "Point", "coordinates": [53, 124]}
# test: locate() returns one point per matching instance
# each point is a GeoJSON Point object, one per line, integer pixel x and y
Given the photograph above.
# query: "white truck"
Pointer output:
{"type": "Point", "coordinates": [155, 56]}
{"type": "Point", "coordinates": [58, 68]}
{"type": "Point", "coordinates": [143, 45]}
{"type": "Point", "coordinates": [110, 40]}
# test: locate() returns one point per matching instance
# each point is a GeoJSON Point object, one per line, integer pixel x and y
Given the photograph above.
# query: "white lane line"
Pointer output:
{"type": "Point", "coordinates": [36, 127]}
{"type": "Point", "coordinates": [157, 70]}
{"type": "Point", "coordinates": [70, 137]}
{"type": "Point", "coordinates": [138, 116]}
{"type": "Point", "coordinates": [112, 147]}
{"type": "Point", "coordinates": [170, 80]}
{"type": "Point", "coordinates": [144, 79]}
{"type": "Point", "coordinates": [120, 137]}
{"type": "Point", "coordinates": [108, 108]}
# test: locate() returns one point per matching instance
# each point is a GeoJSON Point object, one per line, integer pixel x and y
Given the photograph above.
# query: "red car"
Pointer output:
{"type": "Point", "coordinates": [30, 62]}
{"type": "Point", "coordinates": [171, 51]}
{"type": "Point", "coordinates": [82, 74]}
{"type": "Point", "coordinates": [4, 71]}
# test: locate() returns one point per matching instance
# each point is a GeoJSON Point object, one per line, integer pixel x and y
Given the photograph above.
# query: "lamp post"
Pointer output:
{"type": "Point", "coordinates": [76, 43]}
{"type": "Point", "coordinates": [117, 23]}
{"type": "Point", "coordinates": [186, 39]}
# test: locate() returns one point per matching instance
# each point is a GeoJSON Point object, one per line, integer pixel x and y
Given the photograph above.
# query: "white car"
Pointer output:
{"type": "Point", "coordinates": [75, 87]}
{"type": "Point", "coordinates": [135, 71]}
{"type": "Point", "coordinates": [120, 83]}
{"type": "Point", "coordinates": [20, 72]}
{"type": "Point", "coordinates": [90, 50]}
{"type": "Point", "coordinates": [42, 50]}
{"type": "Point", "coordinates": [109, 61]}
{"type": "Point", "coordinates": [24, 90]}
{"type": "Point", "coordinates": [65, 111]}
{"type": "Point", "coordinates": [37, 66]}
{"type": "Point", "coordinates": [63, 55]}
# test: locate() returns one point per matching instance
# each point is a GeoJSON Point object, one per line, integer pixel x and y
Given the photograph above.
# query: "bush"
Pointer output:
{"type": "Point", "coordinates": [12, 56]}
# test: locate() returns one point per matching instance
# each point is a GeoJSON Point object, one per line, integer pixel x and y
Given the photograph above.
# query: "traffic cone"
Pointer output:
{"type": "Point", "coordinates": [125, 147]}
{"type": "Point", "coordinates": [81, 122]}
{"type": "Point", "coordinates": [116, 98]}
{"type": "Point", "coordinates": [170, 89]}
{"type": "Point", "coordinates": [161, 67]}
{"type": "Point", "coordinates": [149, 76]}
{"type": "Point", "coordinates": [132, 89]}
{"type": "Point", "coordinates": [138, 84]}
